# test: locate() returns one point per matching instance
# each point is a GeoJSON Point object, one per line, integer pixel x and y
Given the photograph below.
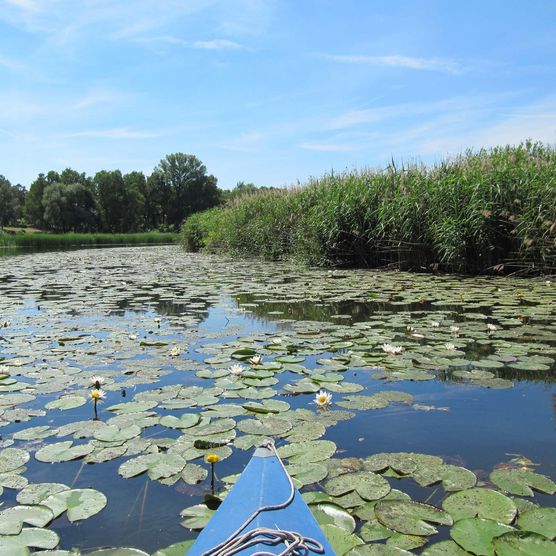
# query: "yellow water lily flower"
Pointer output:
{"type": "Point", "coordinates": [97, 395]}
{"type": "Point", "coordinates": [213, 458]}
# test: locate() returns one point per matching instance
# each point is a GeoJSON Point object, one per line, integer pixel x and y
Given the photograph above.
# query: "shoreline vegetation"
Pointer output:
{"type": "Point", "coordinates": [48, 240]}
{"type": "Point", "coordinates": [488, 211]}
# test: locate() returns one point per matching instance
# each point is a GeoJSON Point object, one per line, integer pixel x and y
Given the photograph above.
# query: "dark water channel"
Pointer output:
{"type": "Point", "coordinates": [118, 312]}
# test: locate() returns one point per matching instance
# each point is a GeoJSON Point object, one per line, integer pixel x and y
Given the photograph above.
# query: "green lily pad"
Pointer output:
{"type": "Point", "coordinates": [340, 540]}
{"type": "Point", "coordinates": [112, 433]}
{"type": "Point", "coordinates": [197, 516]}
{"type": "Point", "coordinates": [36, 493]}
{"type": "Point", "coordinates": [367, 484]}
{"type": "Point", "coordinates": [12, 519]}
{"type": "Point", "coordinates": [444, 548]}
{"type": "Point", "coordinates": [63, 451]}
{"type": "Point", "coordinates": [265, 426]}
{"type": "Point", "coordinates": [522, 482]}
{"type": "Point", "coordinates": [519, 544]}
{"type": "Point", "coordinates": [35, 433]}
{"type": "Point", "coordinates": [12, 458]}
{"type": "Point", "coordinates": [177, 549]}
{"type": "Point", "coordinates": [308, 473]}
{"type": "Point", "coordinates": [330, 513]}
{"type": "Point", "coordinates": [313, 451]}
{"type": "Point", "coordinates": [410, 518]}
{"type": "Point", "coordinates": [193, 473]}
{"type": "Point", "coordinates": [480, 502]}
{"type": "Point", "coordinates": [131, 407]}
{"type": "Point", "coordinates": [35, 537]}
{"type": "Point", "coordinates": [79, 503]}
{"type": "Point", "coordinates": [185, 421]}
{"type": "Point", "coordinates": [158, 466]}
{"type": "Point", "coordinates": [66, 402]}
{"type": "Point", "coordinates": [539, 520]}
{"type": "Point", "coordinates": [476, 534]}
{"type": "Point", "coordinates": [453, 477]}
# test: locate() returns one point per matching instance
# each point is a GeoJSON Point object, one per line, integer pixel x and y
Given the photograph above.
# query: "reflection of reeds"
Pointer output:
{"type": "Point", "coordinates": [482, 211]}
{"type": "Point", "coordinates": [45, 240]}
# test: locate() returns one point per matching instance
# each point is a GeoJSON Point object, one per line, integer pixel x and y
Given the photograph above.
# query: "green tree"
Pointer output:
{"type": "Point", "coordinates": [33, 209]}
{"type": "Point", "coordinates": [121, 200]}
{"type": "Point", "coordinates": [8, 203]}
{"type": "Point", "coordinates": [180, 186]}
{"type": "Point", "coordinates": [70, 207]}
{"type": "Point", "coordinates": [136, 191]}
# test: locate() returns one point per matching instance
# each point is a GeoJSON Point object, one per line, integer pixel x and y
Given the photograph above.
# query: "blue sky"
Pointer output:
{"type": "Point", "coordinates": [270, 92]}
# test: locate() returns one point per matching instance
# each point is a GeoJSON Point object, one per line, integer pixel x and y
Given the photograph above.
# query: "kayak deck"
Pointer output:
{"type": "Point", "coordinates": [263, 483]}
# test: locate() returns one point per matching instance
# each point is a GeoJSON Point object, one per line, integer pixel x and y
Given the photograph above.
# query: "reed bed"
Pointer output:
{"type": "Point", "coordinates": [484, 211]}
{"type": "Point", "coordinates": [46, 240]}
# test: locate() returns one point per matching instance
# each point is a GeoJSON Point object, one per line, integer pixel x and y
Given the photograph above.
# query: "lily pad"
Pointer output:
{"type": "Point", "coordinates": [539, 520]}
{"type": "Point", "coordinates": [340, 540]}
{"type": "Point", "coordinates": [158, 466]}
{"type": "Point", "coordinates": [476, 534]}
{"type": "Point", "coordinates": [522, 482]}
{"type": "Point", "coordinates": [79, 503]}
{"type": "Point", "coordinates": [367, 484]}
{"type": "Point", "coordinates": [12, 519]}
{"type": "Point", "coordinates": [519, 544]}
{"type": "Point", "coordinates": [12, 458]}
{"type": "Point", "coordinates": [197, 516]}
{"type": "Point", "coordinates": [480, 502]}
{"type": "Point", "coordinates": [410, 518]}
{"type": "Point", "coordinates": [63, 451]}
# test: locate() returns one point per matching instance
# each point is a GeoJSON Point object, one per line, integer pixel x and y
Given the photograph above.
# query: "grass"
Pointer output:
{"type": "Point", "coordinates": [484, 211]}
{"type": "Point", "coordinates": [46, 240]}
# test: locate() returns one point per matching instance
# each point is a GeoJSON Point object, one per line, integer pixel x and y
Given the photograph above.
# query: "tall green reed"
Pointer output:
{"type": "Point", "coordinates": [480, 212]}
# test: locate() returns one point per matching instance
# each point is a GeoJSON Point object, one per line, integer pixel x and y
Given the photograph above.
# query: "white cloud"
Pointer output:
{"type": "Point", "coordinates": [29, 5]}
{"type": "Point", "coordinates": [218, 44]}
{"type": "Point", "coordinates": [396, 60]}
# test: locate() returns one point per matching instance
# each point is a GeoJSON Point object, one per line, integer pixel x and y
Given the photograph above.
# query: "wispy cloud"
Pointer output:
{"type": "Point", "coordinates": [396, 60]}
{"type": "Point", "coordinates": [114, 133]}
{"type": "Point", "coordinates": [28, 5]}
{"type": "Point", "coordinates": [218, 44]}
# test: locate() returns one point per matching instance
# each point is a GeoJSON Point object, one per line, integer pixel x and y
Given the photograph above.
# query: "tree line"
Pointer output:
{"type": "Point", "coordinates": [113, 202]}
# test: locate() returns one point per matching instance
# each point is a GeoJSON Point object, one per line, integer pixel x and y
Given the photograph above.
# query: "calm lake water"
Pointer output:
{"type": "Point", "coordinates": [477, 361]}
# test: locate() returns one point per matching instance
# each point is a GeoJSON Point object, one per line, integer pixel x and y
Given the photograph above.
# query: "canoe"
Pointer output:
{"type": "Point", "coordinates": [262, 510]}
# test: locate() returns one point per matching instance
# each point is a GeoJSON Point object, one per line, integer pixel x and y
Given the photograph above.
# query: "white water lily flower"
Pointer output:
{"type": "Point", "coordinates": [98, 395]}
{"type": "Point", "coordinates": [256, 360]}
{"type": "Point", "coordinates": [454, 330]}
{"type": "Point", "coordinates": [392, 350]}
{"type": "Point", "coordinates": [98, 381]}
{"type": "Point", "coordinates": [410, 328]}
{"type": "Point", "coordinates": [435, 324]}
{"type": "Point", "coordinates": [276, 340]}
{"type": "Point", "coordinates": [450, 347]}
{"type": "Point", "coordinates": [132, 336]}
{"type": "Point", "coordinates": [491, 327]}
{"type": "Point", "coordinates": [323, 399]}
{"type": "Point", "coordinates": [175, 351]}
{"type": "Point", "coordinates": [236, 369]}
